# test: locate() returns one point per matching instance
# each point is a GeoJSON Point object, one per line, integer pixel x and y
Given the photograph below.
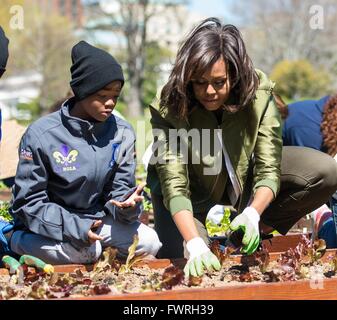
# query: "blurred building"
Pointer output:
{"type": "Point", "coordinates": [73, 9]}
{"type": "Point", "coordinates": [16, 89]}
{"type": "Point", "coordinates": [171, 25]}
{"type": "Point", "coordinates": [167, 25]}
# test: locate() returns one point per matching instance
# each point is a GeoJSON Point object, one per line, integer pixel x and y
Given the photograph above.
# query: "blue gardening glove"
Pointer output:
{"type": "Point", "coordinates": [248, 221]}
{"type": "Point", "coordinates": [200, 257]}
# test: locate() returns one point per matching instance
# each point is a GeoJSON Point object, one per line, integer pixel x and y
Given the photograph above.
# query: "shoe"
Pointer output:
{"type": "Point", "coordinates": [319, 216]}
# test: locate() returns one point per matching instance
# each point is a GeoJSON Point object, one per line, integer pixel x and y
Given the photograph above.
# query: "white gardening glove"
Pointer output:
{"type": "Point", "coordinates": [248, 221]}
{"type": "Point", "coordinates": [200, 256]}
{"type": "Point", "coordinates": [215, 214]}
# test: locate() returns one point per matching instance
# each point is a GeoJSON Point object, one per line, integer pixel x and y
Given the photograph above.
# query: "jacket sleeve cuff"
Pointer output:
{"type": "Point", "coordinates": [80, 239]}
{"type": "Point", "coordinates": [179, 203]}
{"type": "Point", "coordinates": [86, 226]}
{"type": "Point", "coordinates": [272, 185]}
{"type": "Point", "coordinates": [109, 208]}
{"type": "Point", "coordinates": [127, 215]}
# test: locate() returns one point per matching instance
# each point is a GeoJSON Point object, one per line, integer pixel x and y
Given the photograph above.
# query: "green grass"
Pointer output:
{"type": "Point", "coordinates": [4, 211]}
{"type": "Point", "coordinates": [3, 186]}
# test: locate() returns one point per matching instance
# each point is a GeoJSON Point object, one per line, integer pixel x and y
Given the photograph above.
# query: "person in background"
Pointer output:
{"type": "Point", "coordinates": [3, 60]}
{"type": "Point", "coordinates": [281, 105]}
{"type": "Point", "coordinates": [74, 192]}
{"type": "Point", "coordinates": [302, 126]}
{"type": "Point", "coordinates": [214, 86]}
{"type": "Point", "coordinates": [313, 124]}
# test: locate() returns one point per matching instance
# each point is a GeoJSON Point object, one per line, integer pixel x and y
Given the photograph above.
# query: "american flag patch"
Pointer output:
{"type": "Point", "coordinates": [26, 154]}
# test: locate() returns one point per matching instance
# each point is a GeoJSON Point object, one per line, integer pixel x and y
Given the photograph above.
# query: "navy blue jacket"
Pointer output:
{"type": "Point", "coordinates": [68, 171]}
{"type": "Point", "coordinates": [303, 124]}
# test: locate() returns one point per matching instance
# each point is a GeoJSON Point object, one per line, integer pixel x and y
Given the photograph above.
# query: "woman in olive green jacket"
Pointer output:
{"type": "Point", "coordinates": [217, 140]}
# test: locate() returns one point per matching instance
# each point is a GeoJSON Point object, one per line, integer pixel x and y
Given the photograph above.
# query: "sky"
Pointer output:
{"type": "Point", "coordinates": [208, 8]}
{"type": "Point", "coordinates": [212, 8]}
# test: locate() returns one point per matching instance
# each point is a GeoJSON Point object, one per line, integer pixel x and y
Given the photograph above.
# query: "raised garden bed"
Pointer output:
{"type": "Point", "coordinates": [281, 243]}
{"type": "Point", "coordinates": [289, 290]}
{"type": "Point", "coordinates": [240, 278]}
{"type": "Point", "coordinates": [5, 195]}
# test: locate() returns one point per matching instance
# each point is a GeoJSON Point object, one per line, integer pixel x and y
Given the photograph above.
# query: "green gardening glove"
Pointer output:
{"type": "Point", "coordinates": [200, 258]}
{"type": "Point", "coordinates": [248, 221]}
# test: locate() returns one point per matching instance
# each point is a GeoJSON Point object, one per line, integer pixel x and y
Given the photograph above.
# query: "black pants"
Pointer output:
{"type": "Point", "coordinates": [308, 179]}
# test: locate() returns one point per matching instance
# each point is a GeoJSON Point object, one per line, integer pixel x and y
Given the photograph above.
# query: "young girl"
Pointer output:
{"type": "Point", "coordinates": [214, 90]}
{"type": "Point", "coordinates": [74, 191]}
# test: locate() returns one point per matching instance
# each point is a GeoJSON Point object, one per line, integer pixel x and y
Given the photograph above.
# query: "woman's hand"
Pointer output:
{"type": "Point", "coordinates": [93, 237]}
{"type": "Point", "coordinates": [130, 199]}
{"type": "Point", "coordinates": [200, 258]}
{"type": "Point", "coordinates": [248, 221]}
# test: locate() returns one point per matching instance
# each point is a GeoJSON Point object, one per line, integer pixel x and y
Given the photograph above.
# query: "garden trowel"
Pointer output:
{"type": "Point", "coordinates": [14, 267]}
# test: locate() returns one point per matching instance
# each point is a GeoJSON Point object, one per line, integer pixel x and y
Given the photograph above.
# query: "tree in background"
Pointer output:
{"type": "Point", "coordinates": [155, 56]}
{"type": "Point", "coordinates": [299, 79]}
{"type": "Point", "coordinates": [131, 18]}
{"type": "Point", "coordinates": [5, 13]}
{"type": "Point", "coordinates": [43, 47]}
{"type": "Point", "coordinates": [5, 21]}
{"type": "Point", "coordinates": [285, 30]}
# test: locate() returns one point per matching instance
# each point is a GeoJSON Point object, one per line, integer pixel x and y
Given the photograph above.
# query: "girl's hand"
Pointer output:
{"type": "Point", "coordinates": [131, 200]}
{"type": "Point", "coordinates": [93, 237]}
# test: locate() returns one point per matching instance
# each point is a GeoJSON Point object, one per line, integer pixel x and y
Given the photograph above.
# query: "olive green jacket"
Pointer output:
{"type": "Point", "coordinates": [252, 137]}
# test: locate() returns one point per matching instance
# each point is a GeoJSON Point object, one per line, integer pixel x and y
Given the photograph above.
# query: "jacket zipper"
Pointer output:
{"type": "Point", "coordinates": [95, 178]}
{"type": "Point", "coordinates": [236, 176]}
{"type": "Point", "coordinates": [218, 176]}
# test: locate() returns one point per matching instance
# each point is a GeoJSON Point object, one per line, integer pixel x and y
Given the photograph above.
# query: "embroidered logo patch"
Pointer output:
{"type": "Point", "coordinates": [115, 149]}
{"type": "Point", "coordinates": [26, 154]}
{"type": "Point", "coordinates": [66, 158]}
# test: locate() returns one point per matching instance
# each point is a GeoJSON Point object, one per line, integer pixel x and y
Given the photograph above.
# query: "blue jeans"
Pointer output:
{"type": "Point", "coordinates": [328, 233]}
{"type": "Point", "coordinates": [328, 229]}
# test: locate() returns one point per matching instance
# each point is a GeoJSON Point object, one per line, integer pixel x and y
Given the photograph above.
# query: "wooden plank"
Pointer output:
{"type": "Point", "coordinates": [72, 267]}
{"type": "Point", "coordinates": [299, 290]}
{"type": "Point", "coordinates": [281, 243]}
{"type": "Point", "coordinates": [153, 264]}
{"type": "Point", "coordinates": [290, 290]}
{"type": "Point", "coordinates": [4, 272]}
{"type": "Point", "coordinates": [5, 195]}
{"type": "Point", "coordinates": [296, 290]}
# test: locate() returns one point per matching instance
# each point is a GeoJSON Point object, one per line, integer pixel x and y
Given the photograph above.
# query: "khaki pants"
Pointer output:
{"type": "Point", "coordinates": [308, 179]}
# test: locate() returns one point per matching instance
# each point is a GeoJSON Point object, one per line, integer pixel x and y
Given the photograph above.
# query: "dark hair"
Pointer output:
{"type": "Point", "coordinates": [329, 126]}
{"type": "Point", "coordinates": [204, 46]}
{"type": "Point", "coordinates": [281, 106]}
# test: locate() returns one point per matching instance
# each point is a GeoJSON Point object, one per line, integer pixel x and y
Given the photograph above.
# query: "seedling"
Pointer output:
{"type": "Point", "coordinates": [132, 258]}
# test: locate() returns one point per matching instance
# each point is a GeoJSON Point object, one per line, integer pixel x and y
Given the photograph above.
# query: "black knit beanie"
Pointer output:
{"type": "Point", "coordinates": [92, 70]}
{"type": "Point", "coordinates": [3, 51]}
